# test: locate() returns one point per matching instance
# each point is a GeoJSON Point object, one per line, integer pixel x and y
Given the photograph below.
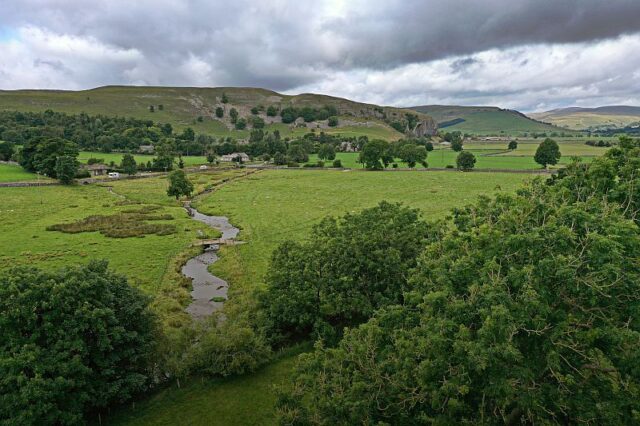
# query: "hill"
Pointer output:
{"type": "Point", "coordinates": [484, 120]}
{"type": "Point", "coordinates": [196, 107]}
{"type": "Point", "coordinates": [600, 118]}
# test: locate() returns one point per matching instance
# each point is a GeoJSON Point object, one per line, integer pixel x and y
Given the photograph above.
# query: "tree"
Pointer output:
{"type": "Point", "coordinates": [466, 161]}
{"type": "Point", "coordinates": [6, 151]}
{"type": "Point", "coordinates": [128, 164]}
{"type": "Point", "coordinates": [255, 110]}
{"type": "Point", "coordinates": [241, 124]}
{"type": "Point", "coordinates": [151, 108]}
{"type": "Point", "coordinates": [512, 145]}
{"type": "Point", "coordinates": [66, 168]}
{"type": "Point", "coordinates": [211, 157]}
{"type": "Point", "coordinates": [165, 154]}
{"type": "Point", "coordinates": [297, 153]}
{"type": "Point", "coordinates": [375, 154]}
{"type": "Point", "coordinates": [71, 341]}
{"type": "Point", "coordinates": [428, 146]}
{"type": "Point", "coordinates": [219, 112]}
{"type": "Point", "coordinates": [272, 111]}
{"type": "Point", "coordinates": [523, 311]}
{"type": "Point", "coordinates": [233, 114]}
{"type": "Point", "coordinates": [257, 122]}
{"type": "Point", "coordinates": [349, 268]}
{"type": "Point", "coordinates": [456, 145]}
{"type": "Point", "coordinates": [179, 184]}
{"type": "Point", "coordinates": [412, 154]}
{"type": "Point", "coordinates": [279, 159]}
{"type": "Point", "coordinates": [41, 154]}
{"type": "Point", "coordinates": [326, 152]}
{"type": "Point", "coordinates": [548, 152]}
{"type": "Point", "coordinates": [225, 99]}
{"type": "Point", "coordinates": [332, 121]}
{"type": "Point", "coordinates": [180, 162]}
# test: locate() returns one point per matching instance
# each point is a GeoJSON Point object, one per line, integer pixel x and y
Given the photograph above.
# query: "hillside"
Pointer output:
{"type": "Point", "coordinates": [182, 106]}
{"type": "Point", "coordinates": [483, 120]}
{"type": "Point", "coordinates": [605, 117]}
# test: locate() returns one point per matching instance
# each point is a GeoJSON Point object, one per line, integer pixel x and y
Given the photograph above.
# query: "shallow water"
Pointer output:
{"type": "Point", "coordinates": [207, 286]}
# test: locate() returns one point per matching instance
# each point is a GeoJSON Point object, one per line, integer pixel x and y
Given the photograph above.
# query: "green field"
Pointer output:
{"type": "Point", "coordinates": [11, 173]}
{"type": "Point", "coordinates": [273, 206]}
{"type": "Point", "coordinates": [488, 156]}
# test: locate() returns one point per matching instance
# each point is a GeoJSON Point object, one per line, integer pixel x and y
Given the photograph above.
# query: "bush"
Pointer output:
{"type": "Point", "coordinates": [332, 121]}
{"type": "Point", "coordinates": [394, 165]}
{"type": "Point", "coordinates": [71, 341]}
{"type": "Point", "coordinates": [293, 164]}
{"type": "Point", "coordinates": [449, 166]}
{"type": "Point", "coordinates": [337, 163]}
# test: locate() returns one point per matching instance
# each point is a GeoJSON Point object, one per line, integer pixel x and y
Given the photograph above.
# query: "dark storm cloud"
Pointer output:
{"type": "Point", "coordinates": [366, 46]}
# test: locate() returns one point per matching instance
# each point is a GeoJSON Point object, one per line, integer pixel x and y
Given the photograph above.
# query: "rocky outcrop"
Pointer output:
{"type": "Point", "coordinates": [425, 127]}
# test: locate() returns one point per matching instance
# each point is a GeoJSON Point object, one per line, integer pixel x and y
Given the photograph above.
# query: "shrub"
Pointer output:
{"type": "Point", "coordinates": [337, 163]}
{"type": "Point", "coordinates": [293, 164]}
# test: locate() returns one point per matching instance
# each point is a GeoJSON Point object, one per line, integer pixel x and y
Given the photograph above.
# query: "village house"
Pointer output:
{"type": "Point", "coordinates": [96, 169]}
{"type": "Point", "coordinates": [146, 149]}
{"type": "Point", "coordinates": [234, 156]}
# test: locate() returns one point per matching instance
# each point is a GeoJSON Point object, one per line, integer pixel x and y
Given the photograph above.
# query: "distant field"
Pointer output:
{"type": "Point", "coordinates": [489, 155]}
{"type": "Point", "coordinates": [11, 173]}
{"type": "Point", "coordinates": [116, 157]}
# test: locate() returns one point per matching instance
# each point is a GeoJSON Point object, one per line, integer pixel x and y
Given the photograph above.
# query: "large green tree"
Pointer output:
{"type": "Point", "coordinates": [179, 184]}
{"type": "Point", "coordinates": [548, 153]}
{"type": "Point", "coordinates": [524, 310]}
{"type": "Point", "coordinates": [71, 341]}
{"type": "Point", "coordinates": [349, 268]}
{"type": "Point", "coordinates": [40, 154]}
{"type": "Point", "coordinates": [465, 161]}
{"type": "Point", "coordinates": [375, 154]}
{"type": "Point", "coordinates": [412, 154]}
{"type": "Point", "coordinates": [128, 164]}
{"type": "Point", "coordinates": [66, 168]}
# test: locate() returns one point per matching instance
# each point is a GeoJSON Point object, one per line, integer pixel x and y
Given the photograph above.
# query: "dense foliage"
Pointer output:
{"type": "Point", "coordinates": [349, 268]}
{"type": "Point", "coordinates": [71, 341]}
{"type": "Point", "coordinates": [465, 161]}
{"type": "Point", "coordinates": [179, 184]}
{"type": "Point", "coordinates": [526, 309]}
{"type": "Point", "coordinates": [547, 153]}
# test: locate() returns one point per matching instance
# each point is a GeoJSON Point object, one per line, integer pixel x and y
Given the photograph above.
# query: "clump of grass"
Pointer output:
{"type": "Point", "coordinates": [218, 299]}
{"type": "Point", "coordinates": [128, 223]}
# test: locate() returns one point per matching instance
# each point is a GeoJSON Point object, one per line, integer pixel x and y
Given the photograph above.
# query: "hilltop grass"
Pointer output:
{"type": "Point", "coordinates": [182, 107]}
{"type": "Point", "coordinates": [12, 173]}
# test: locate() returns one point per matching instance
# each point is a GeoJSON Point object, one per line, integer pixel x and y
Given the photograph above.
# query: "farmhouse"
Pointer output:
{"type": "Point", "coordinates": [96, 169]}
{"type": "Point", "coordinates": [146, 149]}
{"type": "Point", "coordinates": [234, 156]}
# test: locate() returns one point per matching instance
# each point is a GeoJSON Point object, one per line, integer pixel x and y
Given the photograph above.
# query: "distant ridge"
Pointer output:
{"type": "Point", "coordinates": [484, 120]}
{"type": "Point", "coordinates": [598, 118]}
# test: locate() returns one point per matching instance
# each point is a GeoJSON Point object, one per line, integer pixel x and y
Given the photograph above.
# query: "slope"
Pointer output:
{"type": "Point", "coordinates": [484, 120]}
{"type": "Point", "coordinates": [195, 107]}
{"type": "Point", "coordinates": [605, 117]}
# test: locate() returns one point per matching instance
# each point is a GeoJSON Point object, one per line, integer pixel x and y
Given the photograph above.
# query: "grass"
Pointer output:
{"type": "Point", "coordinates": [26, 213]}
{"type": "Point", "coordinates": [273, 206]}
{"type": "Point", "coordinates": [11, 173]}
{"type": "Point", "coordinates": [245, 400]}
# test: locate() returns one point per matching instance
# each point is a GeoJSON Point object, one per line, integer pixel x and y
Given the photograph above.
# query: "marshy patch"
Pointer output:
{"type": "Point", "coordinates": [126, 224]}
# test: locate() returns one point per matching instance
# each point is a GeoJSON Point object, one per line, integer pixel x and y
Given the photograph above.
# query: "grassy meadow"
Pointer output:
{"type": "Point", "coordinates": [13, 173]}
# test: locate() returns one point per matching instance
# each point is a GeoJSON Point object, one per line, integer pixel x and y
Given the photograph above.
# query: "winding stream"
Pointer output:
{"type": "Point", "coordinates": [207, 286]}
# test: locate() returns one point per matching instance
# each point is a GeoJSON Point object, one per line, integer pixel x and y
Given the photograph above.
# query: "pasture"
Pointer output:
{"type": "Point", "coordinates": [116, 157]}
{"type": "Point", "coordinates": [13, 173]}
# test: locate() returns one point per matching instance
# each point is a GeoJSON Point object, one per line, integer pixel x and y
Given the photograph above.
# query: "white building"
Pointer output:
{"type": "Point", "coordinates": [234, 157]}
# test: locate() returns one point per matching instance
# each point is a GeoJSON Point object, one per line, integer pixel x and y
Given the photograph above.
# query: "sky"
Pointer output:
{"type": "Point", "coordinates": [530, 55]}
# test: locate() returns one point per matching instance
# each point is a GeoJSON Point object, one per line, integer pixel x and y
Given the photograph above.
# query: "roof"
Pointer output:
{"type": "Point", "coordinates": [98, 166]}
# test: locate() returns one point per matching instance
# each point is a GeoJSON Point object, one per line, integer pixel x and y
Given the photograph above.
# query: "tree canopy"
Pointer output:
{"type": "Point", "coordinates": [548, 152]}
{"type": "Point", "coordinates": [523, 309]}
{"type": "Point", "coordinates": [179, 184]}
{"type": "Point", "coordinates": [465, 161]}
{"type": "Point", "coordinates": [71, 341]}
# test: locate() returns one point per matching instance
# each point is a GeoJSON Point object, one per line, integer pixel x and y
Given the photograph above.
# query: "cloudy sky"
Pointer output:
{"type": "Point", "coordinates": [526, 54]}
